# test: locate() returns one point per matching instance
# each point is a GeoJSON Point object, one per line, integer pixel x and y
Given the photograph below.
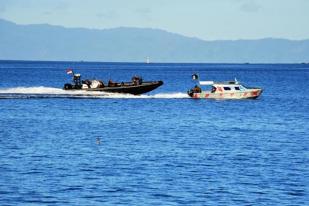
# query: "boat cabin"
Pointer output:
{"type": "Point", "coordinates": [215, 87]}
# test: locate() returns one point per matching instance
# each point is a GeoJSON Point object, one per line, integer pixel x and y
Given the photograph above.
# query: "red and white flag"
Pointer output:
{"type": "Point", "coordinates": [69, 71]}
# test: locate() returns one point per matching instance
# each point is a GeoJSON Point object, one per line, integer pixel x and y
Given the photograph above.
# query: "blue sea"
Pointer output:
{"type": "Point", "coordinates": [160, 148]}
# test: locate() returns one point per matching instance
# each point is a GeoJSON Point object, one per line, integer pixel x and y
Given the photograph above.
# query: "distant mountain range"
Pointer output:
{"type": "Point", "coordinates": [47, 42]}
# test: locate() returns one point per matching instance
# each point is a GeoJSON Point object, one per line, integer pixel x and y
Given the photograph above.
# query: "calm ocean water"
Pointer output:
{"type": "Point", "coordinates": [161, 148]}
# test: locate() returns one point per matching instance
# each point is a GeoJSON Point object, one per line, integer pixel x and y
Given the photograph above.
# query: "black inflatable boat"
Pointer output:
{"type": "Point", "coordinates": [136, 86]}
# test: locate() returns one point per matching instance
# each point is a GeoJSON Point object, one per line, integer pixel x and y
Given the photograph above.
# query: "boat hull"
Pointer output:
{"type": "Point", "coordinates": [247, 94]}
{"type": "Point", "coordinates": [125, 88]}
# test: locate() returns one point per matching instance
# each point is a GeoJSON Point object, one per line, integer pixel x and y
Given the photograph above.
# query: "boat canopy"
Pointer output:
{"type": "Point", "coordinates": [206, 82]}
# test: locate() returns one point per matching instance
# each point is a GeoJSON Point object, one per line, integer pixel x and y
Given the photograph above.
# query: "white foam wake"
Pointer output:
{"type": "Point", "coordinates": [50, 92]}
{"type": "Point", "coordinates": [33, 90]}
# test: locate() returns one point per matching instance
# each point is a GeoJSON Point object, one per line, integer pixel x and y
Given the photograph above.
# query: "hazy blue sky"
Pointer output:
{"type": "Point", "coordinates": [205, 19]}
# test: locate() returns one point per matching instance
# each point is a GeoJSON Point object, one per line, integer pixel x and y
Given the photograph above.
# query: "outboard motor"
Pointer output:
{"type": "Point", "coordinates": [190, 92]}
{"type": "Point", "coordinates": [77, 81]}
{"type": "Point", "coordinates": [68, 86]}
{"type": "Point", "coordinates": [196, 89]}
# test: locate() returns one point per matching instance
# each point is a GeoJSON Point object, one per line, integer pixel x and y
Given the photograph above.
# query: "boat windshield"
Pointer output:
{"type": "Point", "coordinates": [207, 87]}
{"type": "Point", "coordinates": [241, 87]}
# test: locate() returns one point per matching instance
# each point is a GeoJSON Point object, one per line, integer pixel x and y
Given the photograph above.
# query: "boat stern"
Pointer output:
{"type": "Point", "coordinates": [190, 93]}
{"type": "Point", "coordinates": [67, 87]}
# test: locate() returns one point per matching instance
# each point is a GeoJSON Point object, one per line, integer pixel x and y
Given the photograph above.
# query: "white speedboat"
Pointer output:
{"type": "Point", "coordinates": [223, 90]}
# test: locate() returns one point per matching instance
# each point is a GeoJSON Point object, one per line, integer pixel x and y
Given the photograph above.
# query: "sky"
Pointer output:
{"type": "Point", "coordinates": [204, 19]}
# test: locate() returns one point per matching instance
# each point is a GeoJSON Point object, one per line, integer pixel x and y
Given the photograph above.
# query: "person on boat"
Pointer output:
{"type": "Point", "coordinates": [87, 82]}
{"type": "Point", "coordinates": [136, 80]}
{"type": "Point", "coordinates": [101, 84]}
{"type": "Point", "coordinates": [213, 89]}
{"type": "Point", "coordinates": [111, 83]}
{"type": "Point", "coordinates": [140, 80]}
{"type": "Point", "coordinates": [197, 89]}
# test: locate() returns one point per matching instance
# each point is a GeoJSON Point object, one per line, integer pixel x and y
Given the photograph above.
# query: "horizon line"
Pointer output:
{"type": "Point", "coordinates": [151, 63]}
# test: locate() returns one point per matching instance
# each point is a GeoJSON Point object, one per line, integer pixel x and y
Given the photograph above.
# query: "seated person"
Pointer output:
{"type": "Point", "coordinates": [87, 81]}
{"type": "Point", "coordinates": [111, 83]}
{"type": "Point", "coordinates": [101, 84]}
{"type": "Point", "coordinates": [197, 89]}
{"type": "Point", "coordinates": [135, 80]}
{"type": "Point", "coordinates": [140, 80]}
